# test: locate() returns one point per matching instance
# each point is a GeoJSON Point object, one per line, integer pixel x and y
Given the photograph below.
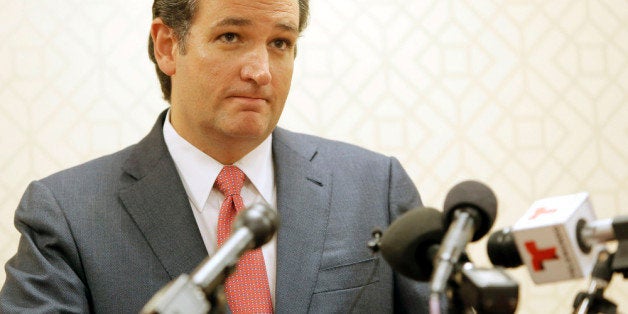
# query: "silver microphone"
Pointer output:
{"type": "Point", "coordinates": [252, 228]}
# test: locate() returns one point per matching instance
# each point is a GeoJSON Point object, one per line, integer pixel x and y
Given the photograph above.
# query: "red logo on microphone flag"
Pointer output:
{"type": "Point", "coordinates": [540, 255]}
{"type": "Point", "coordinates": [541, 211]}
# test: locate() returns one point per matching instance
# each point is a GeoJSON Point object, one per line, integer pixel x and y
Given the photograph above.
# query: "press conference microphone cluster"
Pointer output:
{"type": "Point", "coordinates": [417, 246]}
{"type": "Point", "coordinates": [252, 228]}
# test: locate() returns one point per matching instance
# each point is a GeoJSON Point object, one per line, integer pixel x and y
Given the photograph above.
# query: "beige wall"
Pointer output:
{"type": "Point", "coordinates": [530, 97]}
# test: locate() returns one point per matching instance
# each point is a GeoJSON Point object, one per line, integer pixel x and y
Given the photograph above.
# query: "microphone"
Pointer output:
{"type": "Point", "coordinates": [411, 242]}
{"type": "Point", "coordinates": [502, 249]}
{"type": "Point", "coordinates": [469, 212]}
{"type": "Point", "coordinates": [252, 228]}
{"type": "Point", "coordinates": [557, 239]}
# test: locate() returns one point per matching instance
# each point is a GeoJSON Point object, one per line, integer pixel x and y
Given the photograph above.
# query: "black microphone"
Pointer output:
{"type": "Point", "coordinates": [469, 212]}
{"type": "Point", "coordinates": [501, 249]}
{"type": "Point", "coordinates": [252, 228]}
{"type": "Point", "coordinates": [411, 242]}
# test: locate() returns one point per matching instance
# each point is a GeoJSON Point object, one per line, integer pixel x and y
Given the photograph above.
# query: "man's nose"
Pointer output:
{"type": "Point", "coordinates": [257, 67]}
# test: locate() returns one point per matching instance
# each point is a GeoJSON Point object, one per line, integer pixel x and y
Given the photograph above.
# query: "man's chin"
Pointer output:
{"type": "Point", "coordinates": [250, 132]}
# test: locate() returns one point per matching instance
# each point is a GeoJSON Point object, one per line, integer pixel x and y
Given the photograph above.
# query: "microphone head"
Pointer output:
{"type": "Point", "coordinates": [474, 195]}
{"type": "Point", "coordinates": [261, 220]}
{"type": "Point", "coordinates": [502, 249]}
{"type": "Point", "coordinates": [406, 244]}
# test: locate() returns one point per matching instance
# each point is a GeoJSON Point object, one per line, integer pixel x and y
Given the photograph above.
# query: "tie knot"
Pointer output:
{"type": "Point", "coordinates": [230, 180]}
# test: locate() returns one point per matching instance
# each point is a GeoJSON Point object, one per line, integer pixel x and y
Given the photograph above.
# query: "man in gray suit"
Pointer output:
{"type": "Point", "coordinates": [106, 235]}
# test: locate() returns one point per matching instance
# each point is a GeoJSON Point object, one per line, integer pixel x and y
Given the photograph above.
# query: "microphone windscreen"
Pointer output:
{"type": "Point", "coordinates": [406, 244]}
{"type": "Point", "coordinates": [261, 220]}
{"type": "Point", "coordinates": [475, 195]}
{"type": "Point", "coordinates": [502, 249]}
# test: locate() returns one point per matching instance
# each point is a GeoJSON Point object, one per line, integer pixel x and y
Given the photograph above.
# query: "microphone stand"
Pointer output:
{"type": "Point", "coordinates": [447, 257]}
{"type": "Point", "coordinates": [593, 301]}
{"type": "Point", "coordinates": [620, 260]}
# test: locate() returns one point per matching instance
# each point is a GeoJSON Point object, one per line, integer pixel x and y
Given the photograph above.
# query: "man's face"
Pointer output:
{"type": "Point", "coordinates": [233, 79]}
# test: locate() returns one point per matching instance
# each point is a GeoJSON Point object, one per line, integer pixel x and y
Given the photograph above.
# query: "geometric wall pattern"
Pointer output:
{"type": "Point", "coordinates": [530, 97]}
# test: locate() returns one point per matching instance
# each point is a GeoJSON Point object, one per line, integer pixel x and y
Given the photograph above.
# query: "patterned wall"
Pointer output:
{"type": "Point", "coordinates": [530, 97]}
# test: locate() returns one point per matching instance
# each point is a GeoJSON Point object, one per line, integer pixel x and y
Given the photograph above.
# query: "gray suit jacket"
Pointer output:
{"type": "Point", "coordinates": [106, 235]}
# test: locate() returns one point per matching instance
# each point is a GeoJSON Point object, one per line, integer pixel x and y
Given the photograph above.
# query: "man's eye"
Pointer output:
{"type": "Point", "coordinates": [281, 44]}
{"type": "Point", "coordinates": [229, 37]}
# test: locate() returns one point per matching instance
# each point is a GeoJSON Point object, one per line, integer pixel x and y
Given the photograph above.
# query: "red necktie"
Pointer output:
{"type": "Point", "coordinates": [247, 289]}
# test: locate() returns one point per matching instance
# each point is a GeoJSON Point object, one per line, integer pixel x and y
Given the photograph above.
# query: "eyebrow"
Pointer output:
{"type": "Point", "coordinates": [287, 27]}
{"type": "Point", "coordinates": [235, 21]}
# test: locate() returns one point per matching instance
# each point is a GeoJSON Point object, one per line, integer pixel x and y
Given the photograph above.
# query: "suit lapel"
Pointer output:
{"type": "Point", "coordinates": [157, 202]}
{"type": "Point", "coordinates": [303, 195]}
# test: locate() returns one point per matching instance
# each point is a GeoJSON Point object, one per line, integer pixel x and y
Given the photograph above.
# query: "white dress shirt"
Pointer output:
{"type": "Point", "coordinates": [198, 172]}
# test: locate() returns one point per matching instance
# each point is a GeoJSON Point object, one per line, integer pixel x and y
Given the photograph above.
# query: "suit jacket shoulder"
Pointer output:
{"type": "Point", "coordinates": [309, 144]}
{"type": "Point", "coordinates": [331, 195]}
{"type": "Point", "coordinates": [120, 225]}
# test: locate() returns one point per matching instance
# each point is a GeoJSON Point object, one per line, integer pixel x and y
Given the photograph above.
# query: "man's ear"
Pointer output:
{"type": "Point", "coordinates": [164, 46]}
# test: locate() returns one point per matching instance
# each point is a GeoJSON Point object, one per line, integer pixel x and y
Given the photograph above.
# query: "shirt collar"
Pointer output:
{"type": "Point", "coordinates": [198, 170]}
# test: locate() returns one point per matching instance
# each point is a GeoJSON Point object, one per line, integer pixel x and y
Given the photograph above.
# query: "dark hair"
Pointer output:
{"type": "Point", "coordinates": [178, 15]}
